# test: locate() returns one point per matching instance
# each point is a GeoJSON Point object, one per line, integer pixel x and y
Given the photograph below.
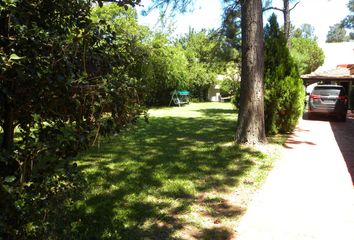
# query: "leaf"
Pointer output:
{"type": "Point", "coordinates": [15, 57]}
{"type": "Point", "coordinates": [10, 179]}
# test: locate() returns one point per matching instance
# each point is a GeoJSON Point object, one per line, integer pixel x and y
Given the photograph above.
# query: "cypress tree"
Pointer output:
{"type": "Point", "coordinates": [284, 91]}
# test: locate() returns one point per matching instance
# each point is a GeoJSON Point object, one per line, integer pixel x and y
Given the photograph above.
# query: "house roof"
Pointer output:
{"type": "Point", "coordinates": [338, 64]}
{"type": "Point", "coordinates": [339, 73]}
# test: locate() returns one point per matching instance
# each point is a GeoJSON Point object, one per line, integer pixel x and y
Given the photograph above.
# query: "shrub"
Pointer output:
{"type": "Point", "coordinates": [43, 208]}
{"type": "Point", "coordinates": [284, 91]}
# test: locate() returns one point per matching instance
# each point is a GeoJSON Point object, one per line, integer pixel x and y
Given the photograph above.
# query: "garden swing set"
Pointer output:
{"type": "Point", "coordinates": [179, 97]}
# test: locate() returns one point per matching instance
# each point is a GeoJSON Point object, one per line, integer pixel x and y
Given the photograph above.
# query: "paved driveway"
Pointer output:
{"type": "Point", "coordinates": [309, 194]}
{"type": "Point", "coordinates": [344, 135]}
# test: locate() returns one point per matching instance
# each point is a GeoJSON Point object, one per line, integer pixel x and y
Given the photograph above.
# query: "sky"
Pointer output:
{"type": "Point", "coordinates": [207, 14]}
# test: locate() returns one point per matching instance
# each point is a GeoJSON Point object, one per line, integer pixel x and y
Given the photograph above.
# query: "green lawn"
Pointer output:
{"type": "Point", "coordinates": [177, 177]}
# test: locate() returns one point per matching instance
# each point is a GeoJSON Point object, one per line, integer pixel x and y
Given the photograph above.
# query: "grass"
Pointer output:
{"type": "Point", "coordinates": [177, 177]}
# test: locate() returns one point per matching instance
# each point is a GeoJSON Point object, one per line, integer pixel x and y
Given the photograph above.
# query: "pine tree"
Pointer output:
{"type": "Point", "coordinates": [250, 124]}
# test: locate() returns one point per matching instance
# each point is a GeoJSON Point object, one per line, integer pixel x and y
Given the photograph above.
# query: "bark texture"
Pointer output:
{"type": "Point", "coordinates": [286, 14]}
{"type": "Point", "coordinates": [250, 125]}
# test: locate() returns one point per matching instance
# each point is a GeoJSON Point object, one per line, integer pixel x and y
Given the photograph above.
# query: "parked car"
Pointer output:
{"type": "Point", "coordinates": [328, 100]}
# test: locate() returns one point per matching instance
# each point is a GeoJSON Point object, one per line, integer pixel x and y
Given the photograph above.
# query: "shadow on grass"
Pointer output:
{"type": "Point", "coordinates": [144, 180]}
{"type": "Point", "coordinates": [216, 233]}
{"type": "Point", "coordinates": [215, 112]}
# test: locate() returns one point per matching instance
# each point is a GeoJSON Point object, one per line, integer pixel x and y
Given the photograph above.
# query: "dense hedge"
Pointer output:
{"type": "Point", "coordinates": [64, 79]}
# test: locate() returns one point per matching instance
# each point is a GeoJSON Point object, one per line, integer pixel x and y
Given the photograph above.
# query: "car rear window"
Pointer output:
{"type": "Point", "coordinates": [326, 91]}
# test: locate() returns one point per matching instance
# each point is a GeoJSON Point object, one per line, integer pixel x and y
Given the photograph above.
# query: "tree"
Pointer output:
{"type": "Point", "coordinates": [284, 91]}
{"type": "Point", "coordinates": [165, 69]}
{"type": "Point", "coordinates": [35, 35]}
{"type": "Point", "coordinates": [348, 22]}
{"type": "Point", "coordinates": [286, 14]}
{"type": "Point", "coordinates": [59, 69]}
{"type": "Point", "coordinates": [231, 23]}
{"type": "Point", "coordinates": [50, 38]}
{"type": "Point", "coordinates": [305, 31]}
{"type": "Point", "coordinates": [351, 36]}
{"type": "Point", "coordinates": [250, 124]}
{"type": "Point", "coordinates": [204, 62]}
{"type": "Point", "coordinates": [336, 33]}
{"type": "Point", "coordinates": [307, 54]}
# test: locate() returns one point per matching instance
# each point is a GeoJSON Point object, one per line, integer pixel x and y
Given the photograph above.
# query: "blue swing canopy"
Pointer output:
{"type": "Point", "coordinates": [183, 92]}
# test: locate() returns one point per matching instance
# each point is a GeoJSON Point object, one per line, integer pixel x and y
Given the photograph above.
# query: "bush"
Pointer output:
{"type": "Point", "coordinates": [284, 91]}
{"type": "Point", "coordinates": [82, 81]}
{"type": "Point", "coordinates": [43, 208]}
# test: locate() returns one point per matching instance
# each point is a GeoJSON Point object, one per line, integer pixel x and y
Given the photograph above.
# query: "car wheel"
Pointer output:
{"type": "Point", "coordinates": [310, 116]}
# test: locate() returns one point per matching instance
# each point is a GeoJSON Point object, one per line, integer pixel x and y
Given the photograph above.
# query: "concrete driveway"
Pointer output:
{"type": "Point", "coordinates": [309, 194]}
{"type": "Point", "coordinates": [344, 135]}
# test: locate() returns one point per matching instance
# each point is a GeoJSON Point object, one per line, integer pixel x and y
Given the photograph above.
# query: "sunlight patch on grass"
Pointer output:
{"type": "Point", "coordinates": [194, 110]}
{"type": "Point", "coordinates": [179, 188]}
{"type": "Point", "coordinates": [177, 177]}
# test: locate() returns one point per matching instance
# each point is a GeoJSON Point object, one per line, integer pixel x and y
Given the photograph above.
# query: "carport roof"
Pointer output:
{"type": "Point", "coordinates": [338, 74]}
{"type": "Point", "coordinates": [338, 64]}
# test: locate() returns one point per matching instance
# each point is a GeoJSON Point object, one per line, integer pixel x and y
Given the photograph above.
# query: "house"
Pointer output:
{"type": "Point", "coordinates": [214, 93]}
{"type": "Point", "coordinates": [338, 67]}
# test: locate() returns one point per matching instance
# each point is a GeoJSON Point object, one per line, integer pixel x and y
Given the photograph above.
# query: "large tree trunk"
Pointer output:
{"type": "Point", "coordinates": [286, 14]}
{"type": "Point", "coordinates": [250, 125]}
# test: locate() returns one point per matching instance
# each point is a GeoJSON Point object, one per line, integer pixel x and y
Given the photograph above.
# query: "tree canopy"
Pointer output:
{"type": "Point", "coordinates": [307, 54]}
{"type": "Point", "coordinates": [336, 33]}
{"type": "Point", "coordinates": [306, 30]}
{"type": "Point", "coordinates": [348, 22]}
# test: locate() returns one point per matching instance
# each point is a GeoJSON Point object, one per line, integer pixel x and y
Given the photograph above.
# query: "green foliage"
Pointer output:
{"type": "Point", "coordinates": [348, 22]}
{"type": "Point", "coordinates": [165, 70]}
{"type": "Point", "coordinates": [284, 91]}
{"type": "Point", "coordinates": [230, 85]}
{"type": "Point", "coordinates": [43, 208]}
{"type": "Point", "coordinates": [305, 31]}
{"type": "Point", "coordinates": [203, 61]}
{"type": "Point", "coordinates": [307, 54]}
{"type": "Point", "coordinates": [66, 77]}
{"type": "Point", "coordinates": [336, 33]}
{"type": "Point", "coordinates": [231, 24]}
{"type": "Point", "coordinates": [351, 36]}
{"type": "Point", "coordinates": [70, 72]}
{"type": "Point", "coordinates": [79, 68]}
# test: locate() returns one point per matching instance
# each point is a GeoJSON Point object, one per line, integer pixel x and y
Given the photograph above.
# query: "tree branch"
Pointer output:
{"type": "Point", "coordinates": [294, 6]}
{"type": "Point", "coordinates": [273, 8]}
{"type": "Point", "coordinates": [279, 9]}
